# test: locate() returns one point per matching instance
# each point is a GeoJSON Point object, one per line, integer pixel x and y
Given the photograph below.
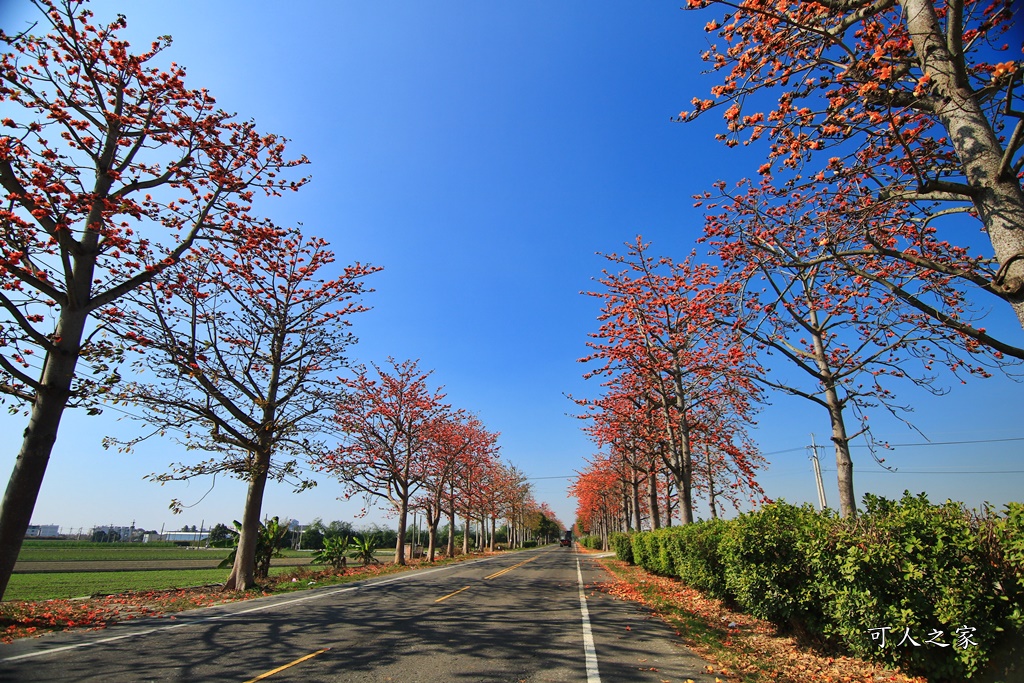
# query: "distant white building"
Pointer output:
{"type": "Point", "coordinates": [123, 533]}
{"type": "Point", "coordinates": [182, 536]}
{"type": "Point", "coordinates": [42, 531]}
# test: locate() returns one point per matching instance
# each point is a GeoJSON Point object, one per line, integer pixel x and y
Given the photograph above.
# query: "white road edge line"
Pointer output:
{"type": "Point", "coordinates": [220, 617]}
{"type": "Point", "coordinates": [593, 676]}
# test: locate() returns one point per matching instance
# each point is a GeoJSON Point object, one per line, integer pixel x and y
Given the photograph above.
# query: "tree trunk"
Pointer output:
{"type": "Point", "coordinates": [844, 464]}
{"type": "Point", "coordinates": [38, 439]}
{"type": "Point", "coordinates": [711, 487]}
{"type": "Point", "coordinates": [403, 515]}
{"type": "Point", "coordinates": [243, 573]}
{"type": "Point", "coordinates": [634, 493]}
{"type": "Point", "coordinates": [465, 537]}
{"type": "Point", "coordinates": [998, 198]}
{"type": "Point", "coordinates": [451, 530]}
{"type": "Point", "coordinates": [668, 499]}
{"type": "Point", "coordinates": [652, 482]}
{"type": "Point", "coordinates": [433, 515]}
{"type": "Point", "coordinates": [685, 464]}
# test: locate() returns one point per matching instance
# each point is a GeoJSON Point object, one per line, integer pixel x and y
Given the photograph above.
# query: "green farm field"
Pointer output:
{"type": "Point", "coordinates": [122, 553]}
{"type": "Point", "coordinates": [70, 569]}
{"type": "Point", "coordinates": [81, 584]}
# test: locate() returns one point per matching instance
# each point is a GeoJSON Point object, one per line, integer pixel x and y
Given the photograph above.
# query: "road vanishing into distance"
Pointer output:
{"type": "Point", "coordinates": [524, 616]}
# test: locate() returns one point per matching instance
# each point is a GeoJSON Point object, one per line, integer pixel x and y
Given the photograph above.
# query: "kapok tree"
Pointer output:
{"type": "Point", "coordinates": [625, 424]}
{"type": "Point", "coordinates": [454, 439]}
{"type": "Point", "coordinates": [385, 422]}
{"type": "Point", "coordinates": [514, 492]}
{"type": "Point", "coordinates": [917, 101]}
{"type": "Point", "coordinates": [726, 457]}
{"type": "Point", "coordinates": [246, 346]}
{"type": "Point", "coordinates": [111, 170]}
{"type": "Point", "coordinates": [598, 492]}
{"type": "Point", "coordinates": [475, 484]}
{"type": "Point", "coordinates": [660, 320]}
{"type": "Point", "coordinates": [848, 336]}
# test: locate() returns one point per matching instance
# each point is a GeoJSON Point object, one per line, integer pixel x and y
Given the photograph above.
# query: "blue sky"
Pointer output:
{"type": "Point", "coordinates": [482, 153]}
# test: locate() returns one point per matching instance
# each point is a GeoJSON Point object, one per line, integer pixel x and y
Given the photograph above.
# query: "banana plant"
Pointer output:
{"type": "Point", "coordinates": [333, 552]}
{"type": "Point", "coordinates": [363, 549]}
{"type": "Point", "coordinates": [268, 545]}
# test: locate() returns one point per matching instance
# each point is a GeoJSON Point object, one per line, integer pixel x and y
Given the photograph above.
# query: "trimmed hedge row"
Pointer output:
{"type": "Point", "coordinates": [902, 571]}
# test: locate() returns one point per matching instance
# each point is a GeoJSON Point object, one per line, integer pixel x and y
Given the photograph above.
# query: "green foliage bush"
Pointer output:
{"type": "Point", "coordinates": [910, 565]}
{"type": "Point", "coordinates": [1010, 535]}
{"type": "Point", "coordinates": [665, 548]}
{"type": "Point", "coordinates": [529, 544]}
{"type": "Point", "coordinates": [699, 563]}
{"type": "Point", "coordinates": [363, 548]}
{"type": "Point", "coordinates": [766, 569]}
{"type": "Point", "coordinates": [333, 551]}
{"type": "Point", "coordinates": [623, 545]}
{"type": "Point", "coordinates": [643, 549]}
{"type": "Point", "coordinates": [591, 541]}
{"type": "Point", "coordinates": [900, 565]}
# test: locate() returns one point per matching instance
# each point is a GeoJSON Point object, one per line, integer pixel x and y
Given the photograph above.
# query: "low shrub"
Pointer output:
{"type": "Point", "coordinates": [666, 549]}
{"type": "Point", "coordinates": [914, 573]}
{"type": "Point", "coordinates": [764, 554]}
{"type": "Point", "coordinates": [917, 574]}
{"type": "Point", "coordinates": [623, 545]}
{"type": "Point", "coordinates": [699, 564]}
{"type": "Point", "coordinates": [643, 553]}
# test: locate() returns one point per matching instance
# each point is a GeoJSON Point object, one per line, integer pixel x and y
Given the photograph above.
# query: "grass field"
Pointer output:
{"type": "Point", "coordinates": [79, 584]}
{"type": "Point", "coordinates": [136, 551]}
{"type": "Point", "coordinates": [69, 582]}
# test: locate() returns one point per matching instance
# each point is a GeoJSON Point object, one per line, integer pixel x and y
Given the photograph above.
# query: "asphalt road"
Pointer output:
{"type": "Point", "coordinates": [527, 616]}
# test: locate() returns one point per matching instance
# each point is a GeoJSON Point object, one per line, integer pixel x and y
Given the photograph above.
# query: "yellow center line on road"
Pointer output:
{"type": "Point", "coordinates": [279, 669]}
{"type": "Point", "coordinates": [451, 594]}
{"type": "Point", "coordinates": [508, 569]}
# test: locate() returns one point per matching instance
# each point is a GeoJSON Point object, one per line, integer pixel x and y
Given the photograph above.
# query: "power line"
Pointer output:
{"type": "Point", "coordinates": [943, 443]}
{"type": "Point", "coordinates": [899, 471]}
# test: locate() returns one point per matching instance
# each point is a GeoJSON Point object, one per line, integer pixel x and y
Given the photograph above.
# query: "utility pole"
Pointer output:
{"type": "Point", "coordinates": [822, 503]}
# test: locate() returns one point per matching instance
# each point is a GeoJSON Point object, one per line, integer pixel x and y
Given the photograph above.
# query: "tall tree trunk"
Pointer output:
{"type": "Point", "coordinates": [627, 513]}
{"type": "Point", "coordinates": [652, 483]}
{"type": "Point", "coordinates": [465, 536]}
{"type": "Point", "coordinates": [844, 464]}
{"type": "Point", "coordinates": [433, 514]}
{"type": "Point", "coordinates": [686, 455]}
{"type": "Point", "coordinates": [38, 439]}
{"type": "Point", "coordinates": [998, 197]}
{"type": "Point", "coordinates": [403, 521]}
{"type": "Point", "coordinates": [668, 499]}
{"type": "Point", "coordinates": [634, 492]}
{"type": "Point", "coordinates": [451, 526]}
{"type": "Point", "coordinates": [711, 487]}
{"type": "Point", "coordinates": [243, 572]}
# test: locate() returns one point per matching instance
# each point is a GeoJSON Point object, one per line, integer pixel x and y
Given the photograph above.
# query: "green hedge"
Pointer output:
{"type": "Point", "coordinates": [917, 566]}
{"type": "Point", "coordinates": [592, 542]}
{"type": "Point", "coordinates": [623, 545]}
{"type": "Point", "coordinates": [700, 563]}
{"type": "Point", "coordinates": [765, 564]}
{"type": "Point", "coordinates": [907, 566]}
